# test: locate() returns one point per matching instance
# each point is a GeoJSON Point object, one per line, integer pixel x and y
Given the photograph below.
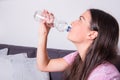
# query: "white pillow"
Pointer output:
{"type": "Point", "coordinates": [3, 51]}
{"type": "Point", "coordinates": [26, 69]}
{"type": "Point", "coordinates": [6, 65]}
{"type": "Point", "coordinates": [6, 70]}
{"type": "Point", "coordinates": [21, 68]}
{"type": "Point", "coordinates": [33, 70]}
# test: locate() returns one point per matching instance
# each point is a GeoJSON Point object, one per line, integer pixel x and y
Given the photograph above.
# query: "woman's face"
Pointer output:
{"type": "Point", "coordinates": [80, 28]}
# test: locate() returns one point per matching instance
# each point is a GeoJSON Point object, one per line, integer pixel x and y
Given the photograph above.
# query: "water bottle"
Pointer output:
{"type": "Point", "coordinates": [60, 25]}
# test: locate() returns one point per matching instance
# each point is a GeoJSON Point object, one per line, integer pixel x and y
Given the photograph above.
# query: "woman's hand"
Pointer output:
{"type": "Point", "coordinates": [47, 23]}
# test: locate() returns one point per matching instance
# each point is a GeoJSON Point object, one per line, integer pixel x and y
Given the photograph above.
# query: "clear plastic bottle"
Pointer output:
{"type": "Point", "coordinates": [60, 25]}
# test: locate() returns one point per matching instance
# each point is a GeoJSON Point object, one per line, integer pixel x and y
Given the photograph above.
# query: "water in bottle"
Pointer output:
{"type": "Point", "coordinates": [60, 25]}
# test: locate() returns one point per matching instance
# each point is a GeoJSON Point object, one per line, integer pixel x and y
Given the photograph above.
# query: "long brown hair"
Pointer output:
{"type": "Point", "coordinates": [104, 47]}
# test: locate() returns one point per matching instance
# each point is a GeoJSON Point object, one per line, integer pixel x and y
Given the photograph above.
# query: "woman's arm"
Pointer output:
{"type": "Point", "coordinates": [43, 61]}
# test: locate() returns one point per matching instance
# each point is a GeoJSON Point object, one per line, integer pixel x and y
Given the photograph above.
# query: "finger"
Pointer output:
{"type": "Point", "coordinates": [44, 13]}
{"type": "Point", "coordinates": [51, 18]}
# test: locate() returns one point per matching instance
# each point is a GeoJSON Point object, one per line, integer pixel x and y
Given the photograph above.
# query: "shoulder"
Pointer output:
{"type": "Point", "coordinates": [105, 71]}
{"type": "Point", "coordinates": [70, 57]}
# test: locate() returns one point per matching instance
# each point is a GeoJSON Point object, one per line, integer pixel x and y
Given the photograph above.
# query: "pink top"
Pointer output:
{"type": "Point", "coordinates": [105, 71]}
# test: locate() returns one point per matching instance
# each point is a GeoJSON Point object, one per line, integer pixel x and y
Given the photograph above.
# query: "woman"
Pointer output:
{"type": "Point", "coordinates": [95, 35]}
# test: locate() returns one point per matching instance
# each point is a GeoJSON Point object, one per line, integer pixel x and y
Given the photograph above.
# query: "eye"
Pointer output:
{"type": "Point", "coordinates": [80, 18]}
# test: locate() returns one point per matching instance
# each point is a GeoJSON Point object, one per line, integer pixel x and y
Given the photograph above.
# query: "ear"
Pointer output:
{"type": "Point", "coordinates": [92, 34]}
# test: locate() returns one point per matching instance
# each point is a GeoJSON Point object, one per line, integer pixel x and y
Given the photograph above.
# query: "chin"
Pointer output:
{"type": "Point", "coordinates": [70, 38]}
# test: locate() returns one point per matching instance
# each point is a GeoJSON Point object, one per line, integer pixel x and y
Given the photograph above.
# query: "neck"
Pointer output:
{"type": "Point", "coordinates": [82, 49]}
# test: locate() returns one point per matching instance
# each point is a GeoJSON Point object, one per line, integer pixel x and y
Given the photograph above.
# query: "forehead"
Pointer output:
{"type": "Point", "coordinates": [87, 15]}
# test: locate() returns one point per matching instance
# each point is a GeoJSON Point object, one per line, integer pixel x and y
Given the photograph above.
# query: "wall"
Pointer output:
{"type": "Point", "coordinates": [17, 25]}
